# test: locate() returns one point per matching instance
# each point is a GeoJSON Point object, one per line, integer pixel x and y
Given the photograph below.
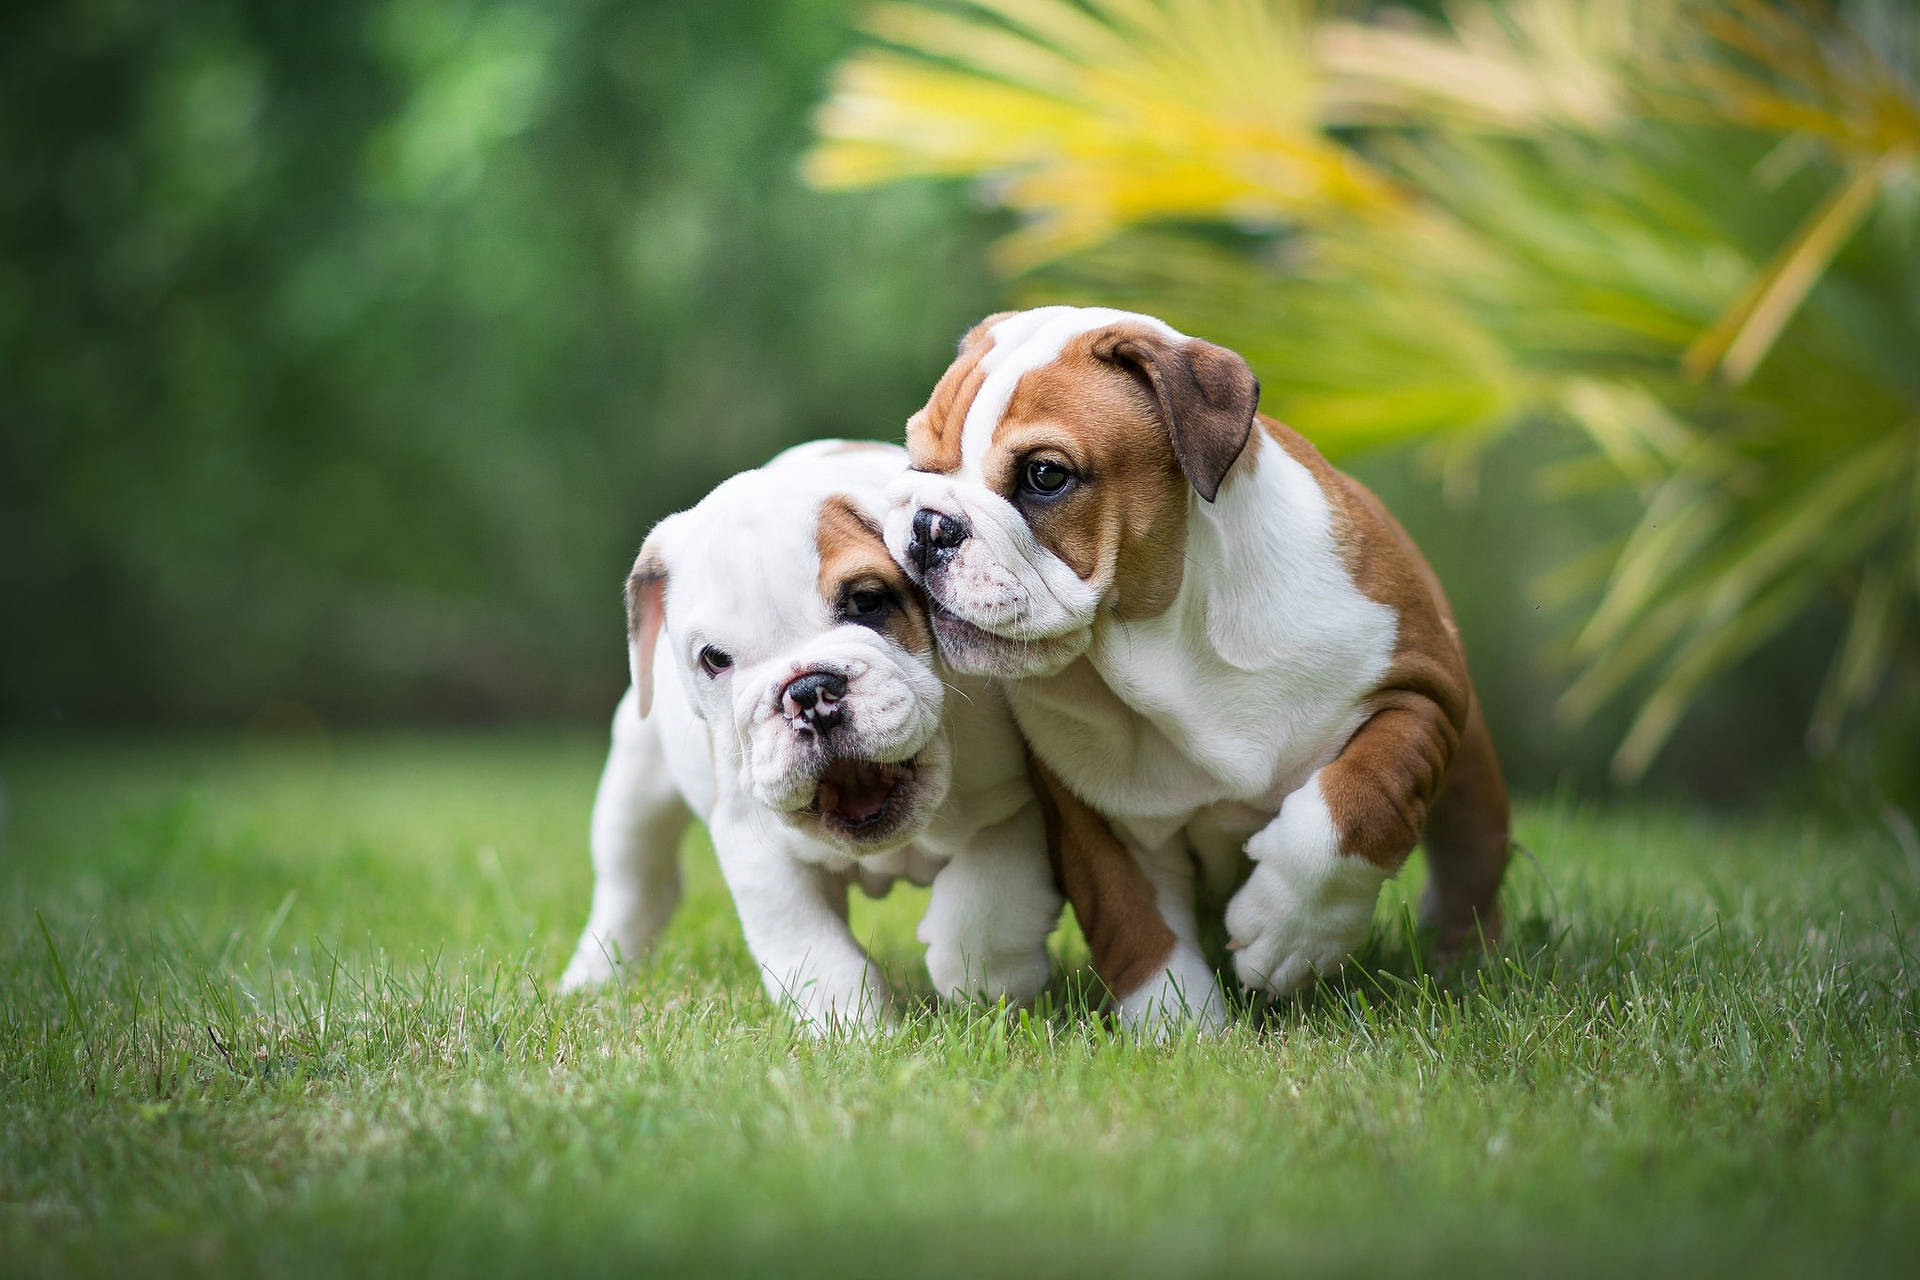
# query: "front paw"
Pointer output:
{"type": "Point", "coordinates": [595, 960]}
{"type": "Point", "coordinates": [823, 1008]}
{"type": "Point", "coordinates": [1306, 906]}
{"type": "Point", "coordinates": [1290, 924]}
{"type": "Point", "coordinates": [1184, 996]}
{"type": "Point", "coordinates": [1014, 975]}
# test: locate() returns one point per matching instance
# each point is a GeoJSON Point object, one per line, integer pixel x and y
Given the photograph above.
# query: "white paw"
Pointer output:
{"type": "Point", "coordinates": [987, 922]}
{"type": "Point", "coordinates": [1016, 976]}
{"type": "Point", "coordinates": [825, 1008]}
{"type": "Point", "coordinates": [1288, 927]}
{"type": "Point", "coordinates": [593, 963]}
{"type": "Point", "coordinates": [1183, 995]}
{"type": "Point", "coordinates": [1306, 906]}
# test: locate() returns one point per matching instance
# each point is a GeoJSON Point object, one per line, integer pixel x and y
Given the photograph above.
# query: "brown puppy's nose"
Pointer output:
{"type": "Point", "coordinates": [815, 698]}
{"type": "Point", "coordinates": [935, 535]}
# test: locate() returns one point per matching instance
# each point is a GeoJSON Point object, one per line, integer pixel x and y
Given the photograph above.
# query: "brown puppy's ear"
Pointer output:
{"type": "Point", "coordinates": [646, 611]}
{"type": "Point", "coordinates": [1207, 396]}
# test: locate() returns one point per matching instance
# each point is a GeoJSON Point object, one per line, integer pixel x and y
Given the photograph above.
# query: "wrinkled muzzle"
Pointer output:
{"type": "Point", "coordinates": [1002, 603]}
{"type": "Point", "coordinates": [872, 772]}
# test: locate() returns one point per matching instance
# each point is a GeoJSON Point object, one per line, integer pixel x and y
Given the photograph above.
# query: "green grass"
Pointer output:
{"type": "Point", "coordinates": [278, 1008]}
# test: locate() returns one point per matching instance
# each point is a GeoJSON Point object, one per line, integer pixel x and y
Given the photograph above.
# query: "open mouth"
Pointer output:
{"type": "Point", "coordinates": [857, 797]}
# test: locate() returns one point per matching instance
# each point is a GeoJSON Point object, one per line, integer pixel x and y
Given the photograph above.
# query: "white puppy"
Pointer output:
{"type": "Point", "coordinates": [785, 690]}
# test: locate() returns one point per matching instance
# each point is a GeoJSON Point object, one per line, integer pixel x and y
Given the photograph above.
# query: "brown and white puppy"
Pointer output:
{"type": "Point", "coordinates": [1211, 639]}
{"type": "Point", "coordinates": [786, 691]}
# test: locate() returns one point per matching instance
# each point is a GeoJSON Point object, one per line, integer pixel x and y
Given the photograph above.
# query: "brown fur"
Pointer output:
{"type": "Point", "coordinates": [933, 434]}
{"type": "Point", "coordinates": [853, 554]}
{"type": "Point", "coordinates": [1111, 897]}
{"type": "Point", "coordinates": [1206, 396]}
{"type": "Point", "coordinates": [1129, 523]}
{"type": "Point", "coordinates": [1425, 761]}
{"type": "Point", "coordinates": [1468, 842]}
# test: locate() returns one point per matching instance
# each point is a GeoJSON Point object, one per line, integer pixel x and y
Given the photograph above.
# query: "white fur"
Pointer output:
{"type": "Point", "coordinates": [1214, 716]}
{"type": "Point", "coordinates": [742, 569]}
{"type": "Point", "coordinates": [1001, 579]}
{"type": "Point", "coordinates": [1206, 722]}
{"type": "Point", "coordinates": [1306, 905]}
{"type": "Point", "coordinates": [1022, 343]}
{"type": "Point", "coordinates": [1185, 990]}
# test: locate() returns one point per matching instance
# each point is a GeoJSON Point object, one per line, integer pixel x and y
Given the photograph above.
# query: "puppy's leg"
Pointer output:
{"type": "Point", "coordinates": [1468, 844]}
{"type": "Point", "coordinates": [638, 818]}
{"type": "Point", "coordinates": [1185, 990]}
{"type": "Point", "coordinates": [1319, 865]}
{"type": "Point", "coordinates": [990, 912]}
{"type": "Point", "coordinates": [794, 915]}
{"type": "Point", "coordinates": [1136, 910]}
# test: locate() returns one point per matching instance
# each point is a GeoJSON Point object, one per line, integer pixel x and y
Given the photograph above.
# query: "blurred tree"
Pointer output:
{"type": "Point", "coordinates": [347, 351]}
{"type": "Point", "coordinates": [1685, 227]}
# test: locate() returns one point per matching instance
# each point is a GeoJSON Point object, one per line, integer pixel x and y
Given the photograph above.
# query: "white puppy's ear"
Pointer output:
{"type": "Point", "coordinates": [646, 612]}
{"type": "Point", "coordinates": [1207, 396]}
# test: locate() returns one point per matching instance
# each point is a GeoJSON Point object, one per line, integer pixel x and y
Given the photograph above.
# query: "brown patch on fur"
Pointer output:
{"type": "Point", "coordinates": [1468, 843]}
{"type": "Point", "coordinates": [1111, 896]}
{"type": "Point", "coordinates": [1424, 760]}
{"type": "Point", "coordinates": [853, 554]}
{"type": "Point", "coordinates": [1126, 518]}
{"type": "Point", "coordinates": [1139, 418]}
{"type": "Point", "coordinates": [933, 434]}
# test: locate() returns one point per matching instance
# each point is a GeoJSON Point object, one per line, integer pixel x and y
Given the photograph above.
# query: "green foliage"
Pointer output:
{"type": "Point", "coordinates": [1687, 228]}
{"type": "Point", "coordinates": [284, 1009]}
{"type": "Point", "coordinates": [348, 350]}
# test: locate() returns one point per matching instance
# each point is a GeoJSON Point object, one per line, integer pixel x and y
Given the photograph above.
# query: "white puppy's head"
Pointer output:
{"type": "Point", "coordinates": [801, 644]}
{"type": "Point", "coordinates": [1051, 477]}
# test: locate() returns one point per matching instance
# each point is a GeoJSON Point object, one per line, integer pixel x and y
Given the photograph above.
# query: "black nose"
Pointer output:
{"type": "Point", "coordinates": [935, 535]}
{"type": "Point", "coordinates": [815, 697]}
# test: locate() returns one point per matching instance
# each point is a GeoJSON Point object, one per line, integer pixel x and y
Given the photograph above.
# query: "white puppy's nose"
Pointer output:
{"type": "Point", "coordinates": [815, 699]}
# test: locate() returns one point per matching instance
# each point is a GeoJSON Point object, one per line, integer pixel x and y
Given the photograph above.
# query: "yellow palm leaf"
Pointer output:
{"type": "Point", "coordinates": [1089, 121]}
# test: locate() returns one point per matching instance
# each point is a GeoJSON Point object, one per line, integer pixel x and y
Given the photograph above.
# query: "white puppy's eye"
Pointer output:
{"type": "Point", "coordinates": [867, 604]}
{"type": "Point", "coordinates": [714, 660]}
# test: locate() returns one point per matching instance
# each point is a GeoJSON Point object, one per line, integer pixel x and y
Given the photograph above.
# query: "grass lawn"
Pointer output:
{"type": "Point", "coordinates": [283, 1008]}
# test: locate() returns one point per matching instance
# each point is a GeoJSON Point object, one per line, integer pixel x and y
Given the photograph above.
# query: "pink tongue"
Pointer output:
{"type": "Point", "coordinates": [856, 790]}
{"type": "Point", "coordinates": [862, 797]}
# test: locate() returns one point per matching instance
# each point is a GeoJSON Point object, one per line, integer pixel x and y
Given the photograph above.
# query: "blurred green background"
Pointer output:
{"type": "Point", "coordinates": [349, 350]}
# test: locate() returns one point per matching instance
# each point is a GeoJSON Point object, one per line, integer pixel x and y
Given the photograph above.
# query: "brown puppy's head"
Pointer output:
{"type": "Point", "coordinates": [1052, 473]}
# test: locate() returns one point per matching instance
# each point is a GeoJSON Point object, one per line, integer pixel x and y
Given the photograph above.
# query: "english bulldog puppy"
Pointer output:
{"type": "Point", "coordinates": [1212, 639]}
{"type": "Point", "coordinates": [785, 690]}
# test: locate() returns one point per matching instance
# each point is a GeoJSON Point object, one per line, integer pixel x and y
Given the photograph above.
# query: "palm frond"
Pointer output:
{"type": "Point", "coordinates": [1514, 68]}
{"type": "Point", "coordinates": [1088, 123]}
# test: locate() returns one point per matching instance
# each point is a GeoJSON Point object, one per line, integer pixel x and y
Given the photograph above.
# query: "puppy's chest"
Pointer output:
{"type": "Point", "coordinates": [875, 874]}
{"type": "Point", "coordinates": [1160, 727]}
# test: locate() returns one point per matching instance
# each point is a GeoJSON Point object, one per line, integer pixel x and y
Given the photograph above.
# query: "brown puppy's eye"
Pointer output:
{"type": "Point", "coordinates": [1044, 477]}
{"type": "Point", "coordinates": [715, 660]}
